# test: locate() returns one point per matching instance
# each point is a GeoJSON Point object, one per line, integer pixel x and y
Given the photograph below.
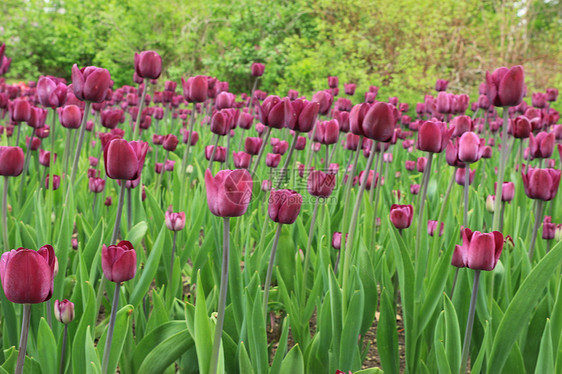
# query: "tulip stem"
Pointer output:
{"type": "Point", "coordinates": [5, 214]}
{"type": "Point", "coordinates": [337, 262]}
{"type": "Point", "coordinates": [186, 154]}
{"type": "Point", "coordinates": [79, 145]}
{"type": "Point", "coordinates": [287, 160]}
{"type": "Point", "coordinates": [501, 216]}
{"type": "Point", "coordinates": [63, 351]}
{"type": "Point", "coordinates": [129, 210]}
{"type": "Point", "coordinates": [421, 204]}
{"type": "Point", "coordinates": [141, 107]}
{"type": "Point", "coordinates": [538, 219]}
{"type": "Point", "coordinates": [262, 148]}
{"type": "Point", "coordinates": [501, 171]}
{"type": "Point", "coordinates": [23, 338]}
{"type": "Point", "coordinates": [466, 184]}
{"type": "Point", "coordinates": [308, 249]}
{"type": "Point", "coordinates": [66, 155]}
{"type": "Point", "coordinates": [353, 224]}
{"type": "Point", "coordinates": [173, 254]}
{"type": "Point", "coordinates": [377, 185]}
{"type": "Point", "coordinates": [334, 149]}
{"type": "Point", "coordinates": [212, 158]}
{"type": "Point", "coordinates": [226, 166]}
{"type": "Point", "coordinates": [310, 151]}
{"type": "Point", "coordinates": [327, 158]}
{"type": "Point", "coordinates": [446, 198]}
{"type": "Point", "coordinates": [375, 166]}
{"type": "Point", "coordinates": [19, 134]}
{"type": "Point", "coordinates": [159, 176]}
{"type": "Point", "coordinates": [107, 349]}
{"type": "Point", "coordinates": [222, 296]}
{"type": "Point", "coordinates": [470, 322]}
{"type": "Point", "coordinates": [26, 164]}
{"type": "Point", "coordinates": [270, 268]}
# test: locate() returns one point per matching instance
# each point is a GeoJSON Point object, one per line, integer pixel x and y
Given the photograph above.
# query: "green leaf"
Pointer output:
{"type": "Point", "coordinates": [244, 360]}
{"type": "Point", "coordinates": [438, 342]}
{"type": "Point", "coordinates": [203, 332]}
{"type": "Point", "coordinates": [452, 335]}
{"type": "Point", "coordinates": [92, 360]}
{"type": "Point", "coordinates": [137, 233]}
{"type": "Point", "coordinates": [82, 333]}
{"type": "Point", "coordinates": [519, 310]}
{"type": "Point", "coordinates": [165, 352]}
{"type": "Point", "coordinates": [281, 348]}
{"type": "Point", "coordinates": [387, 335]}
{"type": "Point", "coordinates": [545, 361]}
{"type": "Point", "coordinates": [150, 269]}
{"type": "Point", "coordinates": [122, 324]}
{"type": "Point", "coordinates": [294, 362]}
{"type": "Point", "coordinates": [46, 348]}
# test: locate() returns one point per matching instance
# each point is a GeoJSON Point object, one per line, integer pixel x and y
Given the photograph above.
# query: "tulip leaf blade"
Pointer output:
{"type": "Point", "coordinates": [46, 348]}
{"type": "Point", "coordinates": [519, 310]}
{"type": "Point", "coordinates": [293, 362]}
{"type": "Point", "coordinates": [166, 352]}
{"type": "Point", "coordinates": [150, 268]}
{"type": "Point", "coordinates": [545, 360]}
{"type": "Point", "coordinates": [387, 335]}
{"type": "Point", "coordinates": [122, 327]}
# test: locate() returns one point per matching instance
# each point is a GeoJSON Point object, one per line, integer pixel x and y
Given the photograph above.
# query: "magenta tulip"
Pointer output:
{"type": "Point", "coordinates": [479, 251]}
{"type": "Point", "coordinates": [148, 64]}
{"type": "Point", "coordinates": [11, 161]}
{"type": "Point", "coordinates": [174, 221]}
{"type": "Point", "coordinates": [433, 136]}
{"type": "Point", "coordinates": [284, 206]}
{"type": "Point", "coordinates": [119, 262]}
{"type": "Point", "coordinates": [505, 87]}
{"type": "Point", "coordinates": [90, 83]}
{"type": "Point", "coordinates": [541, 184]}
{"type": "Point", "coordinates": [123, 159]}
{"type": "Point", "coordinates": [401, 215]}
{"type": "Point", "coordinates": [229, 192]}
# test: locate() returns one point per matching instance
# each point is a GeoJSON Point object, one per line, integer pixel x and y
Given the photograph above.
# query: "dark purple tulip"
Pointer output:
{"type": "Point", "coordinates": [401, 215]}
{"type": "Point", "coordinates": [170, 142]}
{"type": "Point", "coordinates": [415, 189]}
{"type": "Point", "coordinates": [432, 227]}
{"type": "Point", "coordinates": [90, 83]}
{"type": "Point", "coordinates": [257, 69]}
{"type": "Point", "coordinates": [551, 94]}
{"type": "Point", "coordinates": [20, 110]}
{"type": "Point", "coordinates": [321, 184]}
{"type": "Point", "coordinates": [241, 159]}
{"type": "Point", "coordinates": [327, 132]}
{"type": "Point", "coordinates": [229, 192]}
{"type": "Point", "coordinates": [272, 160]}
{"type": "Point", "coordinates": [272, 112]}
{"type": "Point", "coordinates": [521, 127]}
{"type": "Point", "coordinates": [505, 87]}
{"type": "Point", "coordinates": [421, 164]}
{"type": "Point", "coordinates": [433, 136]}
{"type": "Point", "coordinates": [304, 114]}
{"type": "Point", "coordinates": [220, 153]}
{"type": "Point", "coordinates": [301, 143]}
{"type": "Point", "coordinates": [96, 185]}
{"type": "Point", "coordinates": [461, 124]}
{"type": "Point", "coordinates": [352, 141]}
{"type": "Point", "coordinates": [379, 122]}
{"type": "Point", "coordinates": [37, 118]}
{"type": "Point", "coordinates": [542, 145]}
{"type": "Point", "coordinates": [541, 184]}
{"type": "Point", "coordinates": [110, 118]}
{"type": "Point", "coordinates": [56, 182]}
{"type": "Point", "coordinates": [548, 228]}
{"type": "Point", "coordinates": [483, 102]}
{"type": "Point", "coordinates": [441, 85]}
{"type": "Point", "coordinates": [333, 82]}
{"type": "Point", "coordinates": [195, 89]}
{"type": "Point", "coordinates": [325, 100]}
{"type": "Point", "coordinates": [443, 102]}
{"type": "Point", "coordinates": [469, 148]}
{"type": "Point", "coordinates": [119, 262]}
{"type": "Point", "coordinates": [225, 100]}
{"type": "Point", "coordinates": [292, 94]}
{"type": "Point", "coordinates": [253, 145]}
{"type": "Point", "coordinates": [148, 64]}
{"type": "Point", "coordinates": [279, 146]}
{"type": "Point", "coordinates": [11, 161]}
{"type": "Point", "coordinates": [539, 100]}
{"type": "Point", "coordinates": [284, 206]}
{"type": "Point", "coordinates": [45, 157]}
{"type": "Point", "coordinates": [123, 159]}
{"type": "Point", "coordinates": [460, 176]}
{"type": "Point", "coordinates": [51, 93]}
{"type": "Point", "coordinates": [349, 88]}
{"type": "Point", "coordinates": [479, 251]}
{"type": "Point", "coordinates": [194, 137]}
{"type": "Point", "coordinates": [245, 121]}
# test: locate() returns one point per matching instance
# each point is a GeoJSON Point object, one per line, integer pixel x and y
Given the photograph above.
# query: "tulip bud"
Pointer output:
{"type": "Point", "coordinates": [490, 203]}
{"type": "Point", "coordinates": [433, 136]}
{"type": "Point", "coordinates": [148, 64]}
{"type": "Point", "coordinates": [257, 69]}
{"type": "Point", "coordinates": [541, 184]}
{"type": "Point", "coordinates": [170, 142]}
{"type": "Point", "coordinates": [542, 145]}
{"type": "Point", "coordinates": [460, 176]}
{"type": "Point", "coordinates": [469, 148]}
{"type": "Point", "coordinates": [479, 251]}
{"type": "Point", "coordinates": [96, 185]}
{"type": "Point", "coordinates": [174, 221]}
{"type": "Point", "coordinates": [90, 83]}
{"type": "Point", "coordinates": [401, 216]}
{"type": "Point", "coordinates": [301, 143]}
{"type": "Point", "coordinates": [432, 226]}
{"type": "Point", "coordinates": [123, 159]}
{"type": "Point", "coordinates": [548, 228]}
{"type": "Point", "coordinates": [220, 153]}
{"type": "Point", "coordinates": [284, 206]}
{"type": "Point", "coordinates": [505, 87]}
{"type": "Point", "coordinates": [551, 94]}
{"type": "Point", "coordinates": [27, 275]}
{"type": "Point", "coordinates": [321, 184]}
{"type": "Point", "coordinates": [415, 189]}
{"type": "Point", "coordinates": [379, 122]}
{"type": "Point", "coordinates": [253, 145]}
{"type": "Point", "coordinates": [349, 88]}
{"type": "Point", "coordinates": [11, 161]}
{"type": "Point", "coordinates": [272, 160]}
{"type": "Point", "coordinates": [241, 159]}
{"type": "Point", "coordinates": [441, 85]}
{"type": "Point", "coordinates": [64, 311]}
{"type": "Point", "coordinates": [229, 192]}
{"type": "Point", "coordinates": [20, 110]}
{"type": "Point", "coordinates": [108, 201]}
{"type": "Point", "coordinates": [119, 262]}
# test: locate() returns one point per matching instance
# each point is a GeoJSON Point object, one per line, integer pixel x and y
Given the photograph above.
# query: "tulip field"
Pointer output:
{"type": "Point", "coordinates": [178, 227]}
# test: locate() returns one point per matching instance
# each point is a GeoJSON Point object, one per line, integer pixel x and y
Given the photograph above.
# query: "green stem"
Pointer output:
{"type": "Point", "coordinates": [222, 297]}
{"type": "Point", "coordinates": [538, 219]}
{"type": "Point", "coordinates": [308, 249]}
{"type": "Point", "coordinates": [445, 199]}
{"type": "Point", "coordinates": [23, 338]}
{"type": "Point", "coordinates": [469, 323]}
{"type": "Point", "coordinates": [63, 351]}
{"type": "Point", "coordinates": [141, 107]}
{"type": "Point", "coordinates": [262, 148]}
{"type": "Point", "coordinates": [421, 203]}
{"type": "Point", "coordinates": [26, 164]}
{"type": "Point", "coordinates": [377, 188]}
{"type": "Point", "coordinates": [287, 160]}
{"type": "Point", "coordinates": [466, 184]}
{"type": "Point", "coordinates": [212, 158]}
{"type": "Point", "coordinates": [501, 171]}
{"type": "Point", "coordinates": [80, 141]}
{"type": "Point", "coordinates": [111, 327]}
{"type": "Point", "coordinates": [349, 242]}
{"type": "Point", "coordinates": [267, 284]}
{"type": "Point", "coordinates": [173, 254]}
{"type": "Point", "coordinates": [5, 214]}
{"type": "Point", "coordinates": [129, 210]}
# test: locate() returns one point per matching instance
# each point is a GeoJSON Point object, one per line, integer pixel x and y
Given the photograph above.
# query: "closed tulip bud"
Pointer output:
{"type": "Point", "coordinates": [486, 152]}
{"type": "Point", "coordinates": [50, 93]}
{"type": "Point", "coordinates": [548, 228]}
{"type": "Point", "coordinates": [27, 275]}
{"type": "Point", "coordinates": [284, 206]}
{"type": "Point", "coordinates": [56, 182]}
{"type": "Point", "coordinates": [410, 165]}
{"type": "Point", "coordinates": [123, 159]}
{"type": "Point", "coordinates": [541, 184]}
{"type": "Point", "coordinates": [479, 251]}
{"type": "Point", "coordinates": [401, 216]}
{"type": "Point", "coordinates": [461, 124]}
{"type": "Point", "coordinates": [90, 83]}
{"type": "Point", "coordinates": [321, 184]}
{"type": "Point", "coordinates": [301, 143]}
{"type": "Point", "coordinates": [194, 137]}
{"type": "Point", "coordinates": [551, 94]}
{"type": "Point", "coordinates": [253, 145]}
{"type": "Point", "coordinates": [20, 110]}
{"type": "Point", "coordinates": [441, 85]}
{"type": "Point", "coordinates": [37, 118]}
{"type": "Point", "coordinates": [195, 89]}
{"type": "Point", "coordinates": [11, 161]}
{"type": "Point", "coordinates": [542, 145]}
{"type": "Point", "coordinates": [220, 153]}
{"type": "Point", "coordinates": [110, 118]}
{"type": "Point", "coordinates": [170, 142]}
{"type": "Point", "coordinates": [257, 69]}
{"type": "Point", "coordinates": [64, 311]}
{"type": "Point", "coordinates": [460, 176]}
{"type": "Point", "coordinates": [169, 165]}
{"type": "Point", "coordinates": [443, 102]}
{"type": "Point", "coordinates": [333, 82]}
{"type": "Point", "coordinates": [157, 139]}
{"type": "Point", "coordinates": [351, 141]}
{"type": "Point", "coordinates": [74, 243]}
{"type": "Point", "coordinates": [521, 127]}
{"type": "Point", "coordinates": [225, 100]}
{"type": "Point", "coordinates": [324, 99]}
{"type": "Point", "coordinates": [469, 148]}
{"type": "Point", "coordinates": [505, 87]}
{"type": "Point", "coordinates": [108, 201]}
{"type": "Point", "coordinates": [379, 122]}
{"type": "Point", "coordinates": [148, 64]}
{"type": "Point", "coordinates": [45, 158]}
{"type": "Point", "coordinates": [539, 100]}
{"type": "Point", "coordinates": [96, 185]}
{"type": "Point", "coordinates": [34, 143]}
{"type": "Point", "coordinates": [508, 191]}
{"type": "Point", "coordinates": [336, 240]}
{"type": "Point", "coordinates": [119, 262]}
{"type": "Point", "coordinates": [174, 221]}
{"type": "Point", "coordinates": [349, 88]}
{"type": "Point", "coordinates": [433, 136]}
{"type": "Point", "coordinates": [70, 116]}
{"type": "Point", "coordinates": [414, 189]}
{"type": "Point", "coordinates": [483, 102]}
{"type": "Point", "coordinates": [292, 94]}
{"type": "Point", "coordinates": [327, 132]}
{"type": "Point", "coordinates": [432, 226]}
{"type": "Point", "coordinates": [421, 164]}
{"type": "Point", "coordinates": [490, 203]}
{"type": "Point", "coordinates": [245, 121]}
{"type": "Point", "coordinates": [241, 159]}
{"type": "Point", "coordinates": [266, 185]}
{"type": "Point", "coordinates": [229, 192]}
{"type": "Point", "coordinates": [272, 160]}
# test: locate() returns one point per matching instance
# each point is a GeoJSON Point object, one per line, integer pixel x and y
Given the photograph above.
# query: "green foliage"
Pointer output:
{"type": "Point", "coordinates": [401, 46]}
